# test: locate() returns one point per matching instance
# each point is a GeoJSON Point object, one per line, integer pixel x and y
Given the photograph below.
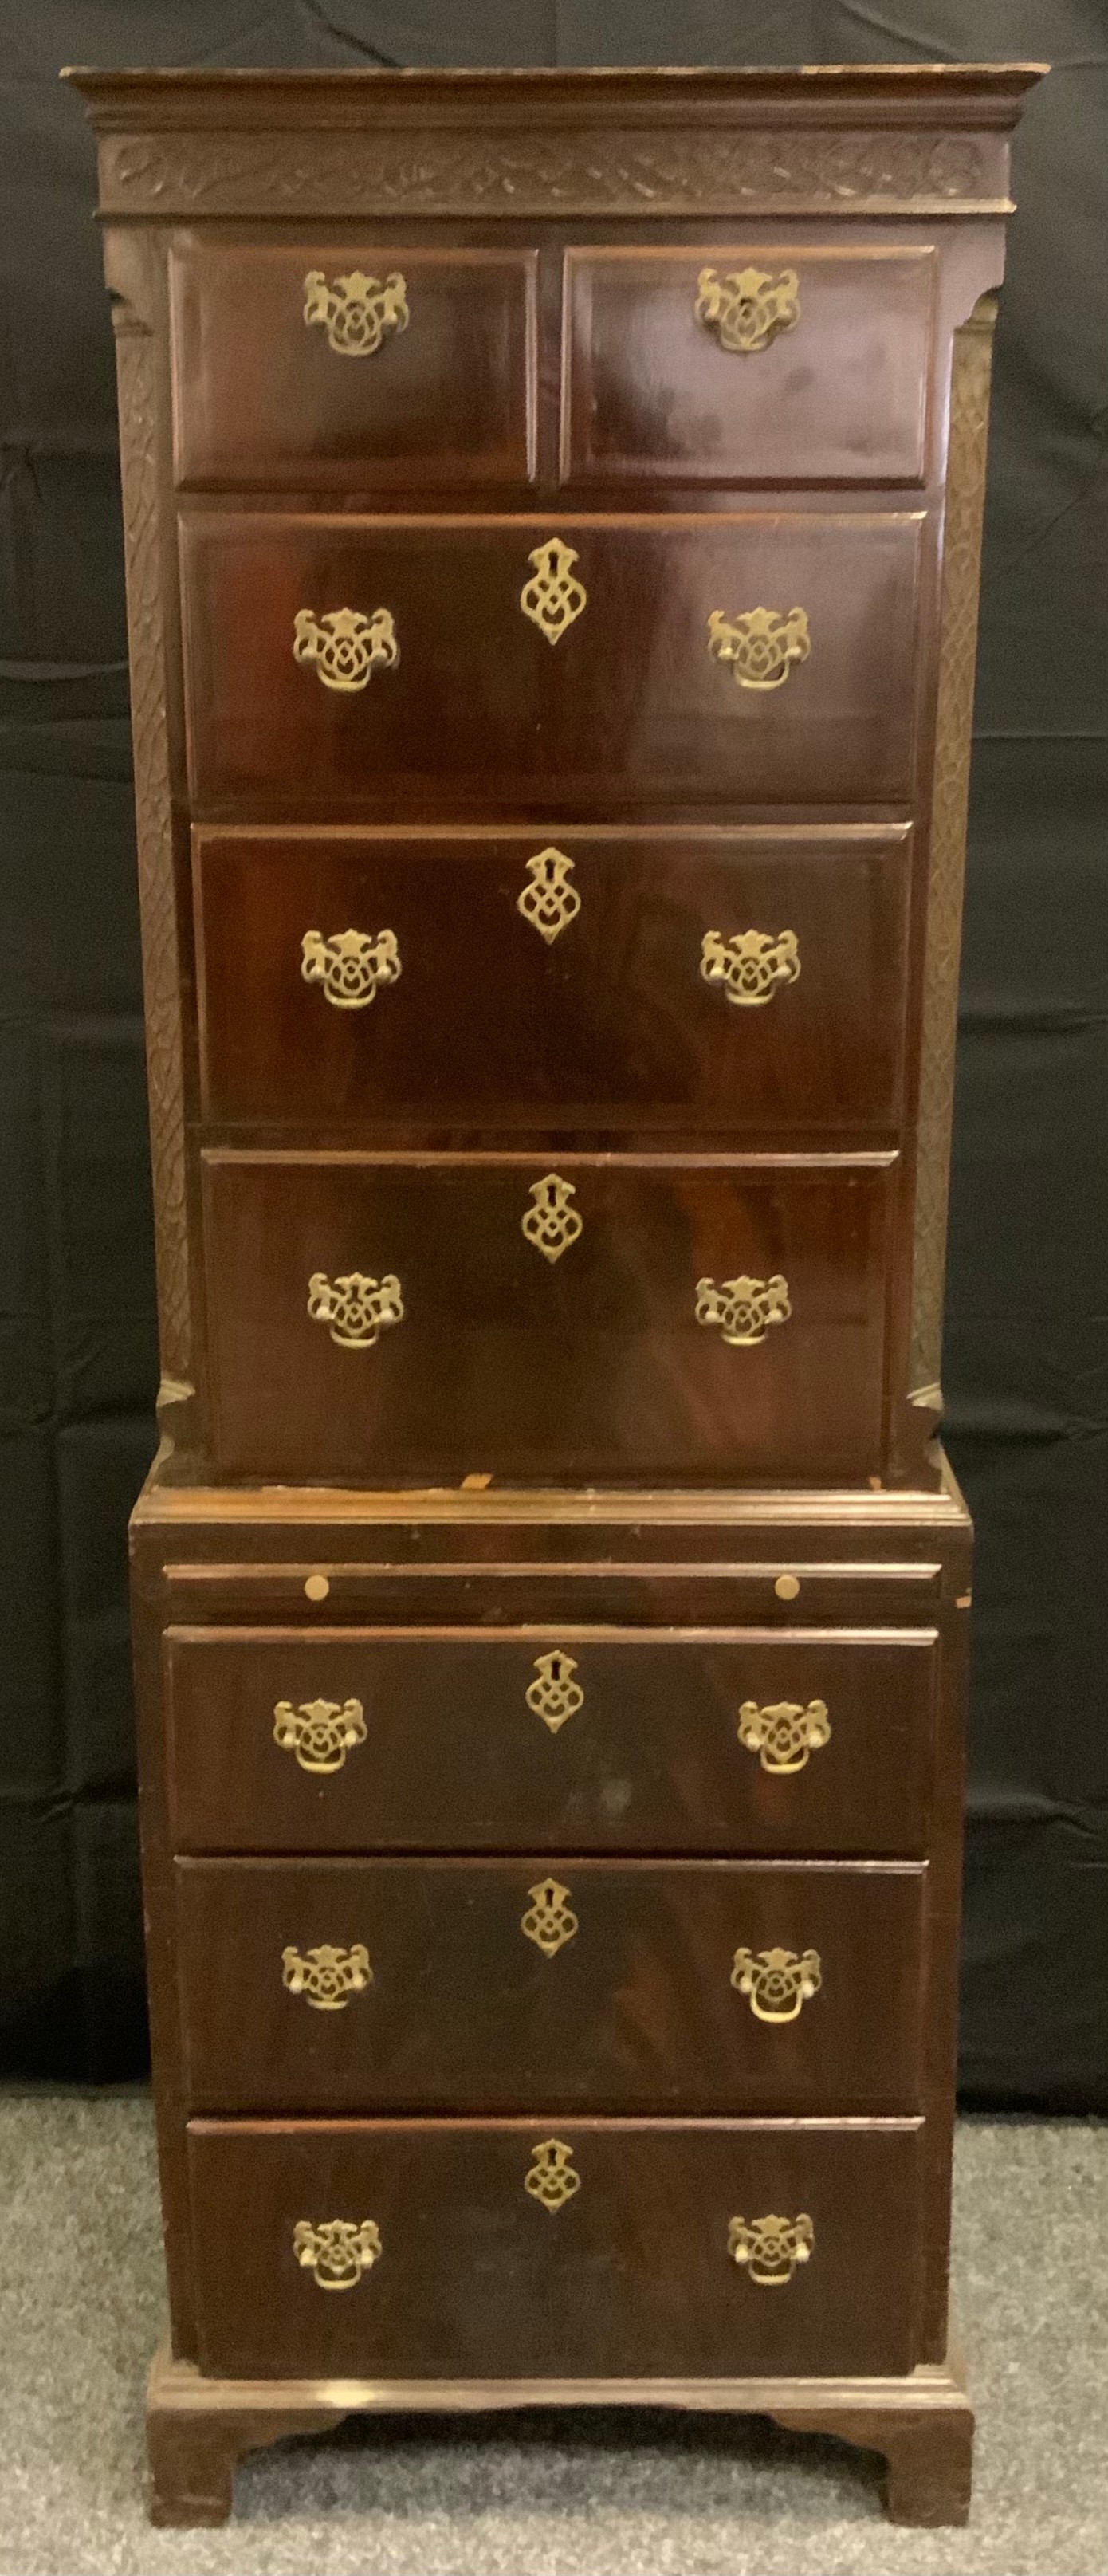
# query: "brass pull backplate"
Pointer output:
{"type": "Point", "coordinates": [319, 1733]}
{"type": "Point", "coordinates": [327, 1977]}
{"type": "Point", "coordinates": [747, 309]}
{"type": "Point", "coordinates": [743, 1308]}
{"type": "Point", "coordinates": [550, 1920]}
{"type": "Point", "coordinates": [553, 597]}
{"type": "Point", "coordinates": [337, 2251]}
{"type": "Point", "coordinates": [356, 1310]}
{"type": "Point", "coordinates": [750, 966]}
{"type": "Point", "coordinates": [357, 312]}
{"type": "Point", "coordinates": [770, 2247]}
{"type": "Point", "coordinates": [551, 2177]}
{"type": "Point", "coordinates": [776, 1982]}
{"type": "Point", "coordinates": [761, 644]}
{"type": "Point", "coordinates": [350, 965]}
{"type": "Point", "coordinates": [345, 647]}
{"type": "Point", "coordinates": [784, 1734]}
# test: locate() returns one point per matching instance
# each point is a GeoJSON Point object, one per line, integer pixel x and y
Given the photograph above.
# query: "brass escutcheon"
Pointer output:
{"type": "Point", "coordinates": [777, 1982]}
{"type": "Point", "coordinates": [350, 965]}
{"type": "Point", "coordinates": [357, 312]}
{"type": "Point", "coordinates": [553, 597]}
{"type": "Point", "coordinates": [550, 1920]}
{"type": "Point", "coordinates": [751, 965]}
{"type": "Point", "coordinates": [551, 1224]}
{"type": "Point", "coordinates": [337, 2251]}
{"type": "Point", "coordinates": [771, 2247]}
{"type": "Point", "coordinates": [327, 1977]}
{"type": "Point", "coordinates": [551, 2177]}
{"type": "Point", "coordinates": [356, 1310]}
{"type": "Point", "coordinates": [548, 901]}
{"type": "Point", "coordinates": [345, 647]}
{"type": "Point", "coordinates": [761, 644]}
{"type": "Point", "coordinates": [785, 1734]}
{"type": "Point", "coordinates": [743, 1308]}
{"type": "Point", "coordinates": [554, 1695]}
{"type": "Point", "coordinates": [319, 1733]}
{"type": "Point", "coordinates": [747, 309]}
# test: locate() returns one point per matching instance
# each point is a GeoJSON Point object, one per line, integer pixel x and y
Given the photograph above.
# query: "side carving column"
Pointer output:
{"type": "Point", "coordinates": [969, 427]}
{"type": "Point", "coordinates": [135, 370]}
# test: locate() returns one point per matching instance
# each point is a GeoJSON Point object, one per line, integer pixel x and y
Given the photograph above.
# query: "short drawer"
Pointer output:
{"type": "Point", "coordinates": [490, 1984]}
{"type": "Point", "coordinates": [352, 365]}
{"type": "Point", "coordinates": [555, 2250]}
{"type": "Point", "coordinates": [720, 981]}
{"type": "Point", "coordinates": [560, 1739]}
{"type": "Point", "coordinates": [430, 1319]}
{"type": "Point", "coordinates": [747, 362]}
{"type": "Point", "coordinates": [344, 662]}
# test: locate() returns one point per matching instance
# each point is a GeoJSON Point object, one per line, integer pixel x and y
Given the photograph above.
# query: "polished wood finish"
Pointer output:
{"type": "Point", "coordinates": [553, 1459]}
{"type": "Point", "coordinates": [628, 704]}
{"type": "Point", "coordinates": [474, 2275]}
{"type": "Point", "coordinates": [609, 1027]}
{"type": "Point", "coordinates": [455, 1757]}
{"type": "Point", "coordinates": [448, 401]}
{"type": "Point", "coordinates": [587, 1366]}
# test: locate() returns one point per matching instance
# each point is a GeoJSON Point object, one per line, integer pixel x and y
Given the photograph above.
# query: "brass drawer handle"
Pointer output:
{"type": "Point", "coordinates": [761, 644]}
{"type": "Point", "coordinates": [325, 1976]}
{"type": "Point", "coordinates": [356, 1310]}
{"type": "Point", "coordinates": [357, 312]}
{"type": "Point", "coordinates": [337, 2251]}
{"type": "Point", "coordinates": [784, 1734]}
{"type": "Point", "coordinates": [553, 597]}
{"type": "Point", "coordinates": [548, 901]}
{"type": "Point", "coordinates": [319, 1733]}
{"type": "Point", "coordinates": [550, 1223]}
{"type": "Point", "coordinates": [750, 966]}
{"type": "Point", "coordinates": [743, 1308]}
{"type": "Point", "coordinates": [551, 2177]}
{"type": "Point", "coordinates": [771, 2247]}
{"type": "Point", "coordinates": [554, 1695]}
{"type": "Point", "coordinates": [350, 965]}
{"type": "Point", "coordinates": [747, 309]}
{"type": "Point", "coordinates": [777, 1982]}
{"type": "Point", "coordinates": [345, 647]}
{"type": "Point", "coordinates": [550, 1920]}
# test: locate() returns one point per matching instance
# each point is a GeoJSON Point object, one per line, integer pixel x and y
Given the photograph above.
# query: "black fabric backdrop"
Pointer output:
{"type": "Point", "coordinates": [1026, 1364]}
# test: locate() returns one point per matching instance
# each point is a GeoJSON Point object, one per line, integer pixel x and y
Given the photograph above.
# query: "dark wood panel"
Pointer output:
{"type": "Point", "coordinates": [673, 376]}
{"type": "Point", "coordinates": [446, 397]}
{"type": "Point", "coordinates": [629, 2005]}
{"type": "Point", "coordinates": [631, 2276]}
{"type": "Point", "coordinates": [508, 1362]}
{"type": "Point", "coordinates": [628, 703]}
{"type": "Point", "coordinates": [444, 1750]}
{"type": "Point", "coordinates": [601, 1006]}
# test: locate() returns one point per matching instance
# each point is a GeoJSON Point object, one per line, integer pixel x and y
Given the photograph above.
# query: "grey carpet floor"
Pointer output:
{"type": "Point", "coordinates": [580, 2495]}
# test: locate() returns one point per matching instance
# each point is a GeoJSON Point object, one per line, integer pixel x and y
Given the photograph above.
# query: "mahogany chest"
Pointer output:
{"type": "Point", "coordinates": [552, 508]}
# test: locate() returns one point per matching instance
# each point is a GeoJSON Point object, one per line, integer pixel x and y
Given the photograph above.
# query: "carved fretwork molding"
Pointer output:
{"type": "Point", "coordinates": [135, 367]}
{"type": "Point", "coordinates": [969, 424]}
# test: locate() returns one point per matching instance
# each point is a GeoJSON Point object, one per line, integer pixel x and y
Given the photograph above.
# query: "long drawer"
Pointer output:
{"type": "Point", "coordinates": [339, 661]}
{"type": "Point", "coordinates": [552, 2250]}
{"type": "Point", "coordinates": [726, 982]}
{"type": "Point", "coordinates": [607, 1984]}
{"type": "Point", "coordinates": [388, 1316]}
{"type": "Point", "coordinates": [561, 1739]}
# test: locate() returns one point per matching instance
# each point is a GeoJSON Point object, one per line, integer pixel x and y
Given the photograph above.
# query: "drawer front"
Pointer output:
{"type": "Point", "coordinates": [352, 365]}
{"type": "Point", "coordinates": [443, 2260]}
{"type": "Point", "coordinates": [747, 363]}
{"type": "Point", "coordinates": [721, 981]}
{"type": "Point", "coordinates": [434, 1319]}
{"type": "Point", "coordinates": [492, 1984]}
{"type": "Point", "coordinates": [564, 1739]}
{"type": "Point", "coordinates": [654, 685]}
